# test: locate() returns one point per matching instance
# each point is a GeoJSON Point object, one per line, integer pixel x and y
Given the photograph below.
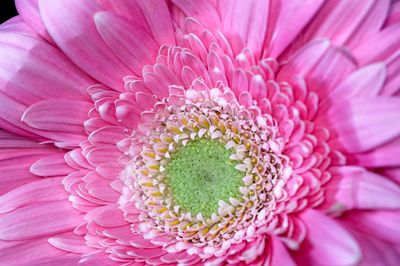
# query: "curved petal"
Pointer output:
{"type": "Point", "coordinates": [70, 24]}
{"type": "Point", "coordinates": [33, 70]}
{"type": "Point", "coordinates": [59, 119]}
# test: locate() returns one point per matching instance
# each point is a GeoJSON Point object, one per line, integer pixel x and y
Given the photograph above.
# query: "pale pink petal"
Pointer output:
{"type": "Point", "coordinates": [71, 243]}
{"type": "Point", "coordinates": [32, 221]}
{"type": "Point", "coordinates": [245, 23]}
{"type": "Point", "coordinates": [284, 30]}
{"type": "Point", "coordinates": [329, 241]}
{"type": "Point", "coordinates": [158, 18]}
{"type": "Point", "coordinates": [357, 188]}
{"type": "Point", "coordinates": [133, 46]}
{"type": "Point", "coordinates": [49, 189]}
{"type": "Point", "coordinates": [70, 24]}
{"type": "Point", "coordinates": [361, 124]}
{"type": "Point", "coordinates": [32, 70]}
{"type": "Point", "coordinates": [59, 119]}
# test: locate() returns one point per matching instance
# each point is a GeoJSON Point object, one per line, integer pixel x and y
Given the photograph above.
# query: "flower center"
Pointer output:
{"type": "Point", "coordinates": [201, 174]}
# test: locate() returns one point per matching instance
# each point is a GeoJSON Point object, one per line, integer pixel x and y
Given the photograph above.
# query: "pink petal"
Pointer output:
{"type": "Point", "coordinates": [322, 65]}
{"type": "Point", "coordinates": [59, 119]}
{"type": "Point", "coordinates": [32, 70]}
{"type": "Point", "coordinates": [329, 241]}
{"type": "Point", "coordinates": [15, 164]}
{"type": "Point", "coordinates": [71, 243]}
{"type": "Point", "coordinates": [379, 47]}
{"type": "Point", "coordinates": [392, 86]}
{"type": "Point", "coordinates": [376, 252]}
{"type": "Point", "coordinates": [71, 26]}
{"type": "Point", "coordinates": [128, 9]}
{"type": "Point", "coordinates": [202, 10]}
{"type": "Point", "coordinates": [53, 165]}
{"type": "Point", "coordinates": [357, 188]}
{"type": "Point", "coordinates": [285, 31]}
{"type": "Point", "coordinates": [133, 46]}
{"type": "Point", "coordinates": [367, 81]}
{"type": "Point", "coordinates": [36, 252]}
{"type": "Point", "coordinates": [382, 156]}
{"type": "Point", "coordinates": [362, 124]}
{"type": "Point", "coordinates": [280, 254]}
{"type": "Point", "coordinates": [380, 224]}
{"type": "Point", "coordinates": [245, 23]}
{"type": "Point", "coordinates": [16, 226]}
{"type": "Point", "coordinates": [394, 14]}
{"type": "Point", "coordinates": [49, 189]}
{"type": "Point", "coordinates": [342, 21]}
{"type": "Point", "coordinates": [110, 216]}
{"type": "Point", "coordinates": [29, 11]}
{"type": "Point", "coordinates": [158, 18]}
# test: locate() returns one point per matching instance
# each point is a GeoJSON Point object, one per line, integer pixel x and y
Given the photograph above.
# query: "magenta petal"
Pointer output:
{"type": "Point", "coordinates": [16, 226]}
{"type": "Point", "coordinates": [70, 24]}
{"type": "Point", "coordinates": [135, 49]}
{"type": "Point", "coordinates": [330, 242]}
{"type": "Point", "coordinates": [280, 254]}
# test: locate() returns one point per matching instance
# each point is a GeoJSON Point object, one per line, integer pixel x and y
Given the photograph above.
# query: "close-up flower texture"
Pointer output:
{"type": "Point", "coordinates": [203, 132]}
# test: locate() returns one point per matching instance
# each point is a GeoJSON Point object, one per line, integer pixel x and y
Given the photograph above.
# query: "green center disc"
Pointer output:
{"type": "Point", "coordinates": [200, 174]}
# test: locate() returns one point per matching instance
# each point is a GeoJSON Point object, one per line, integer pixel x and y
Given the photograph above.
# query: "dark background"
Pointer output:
{"type": "Point", "coordinates": [7, 10]}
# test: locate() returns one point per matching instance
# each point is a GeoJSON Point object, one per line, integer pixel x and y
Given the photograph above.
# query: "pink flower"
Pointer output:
{"type": "Point", "coordinates": [200, 132]}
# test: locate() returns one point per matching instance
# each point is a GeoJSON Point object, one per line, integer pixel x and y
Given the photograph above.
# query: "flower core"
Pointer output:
{"type": "Point", "coordinates": [202, 173]}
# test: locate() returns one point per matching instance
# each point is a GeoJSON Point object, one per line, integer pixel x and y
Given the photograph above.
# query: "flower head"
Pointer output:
{"type": "Point", "coordinates": [200, 133]}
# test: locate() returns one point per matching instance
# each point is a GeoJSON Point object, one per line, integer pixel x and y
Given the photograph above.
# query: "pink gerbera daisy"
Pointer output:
{"type": "Point", "coordinates": [207, 132]}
